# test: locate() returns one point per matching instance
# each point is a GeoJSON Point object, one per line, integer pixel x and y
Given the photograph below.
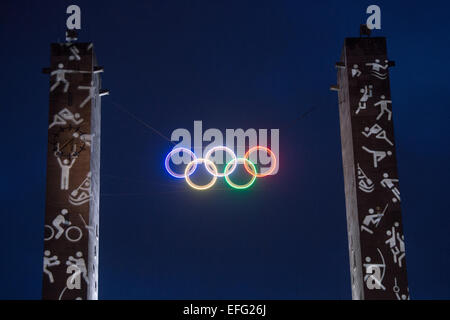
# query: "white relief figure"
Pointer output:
{"type": "Point", "coordinates": [91, 93]}
{"type": "Point", "coordinates": [60, 76]}
{"type": "Point", "coordinates": [377, 69]}
{"type": "Point", "coordinates": [73, 281]}
{"type": "Point", "coordinates": [86, 138]}
{"type": "Point", "coordinates": [377, 155]}
{"type": "Point", "coordinates": [367, 93]}
{"type": "Point", "coordinates": [50, 262]}
{"type": "Point", "coordinates": [374, 273]}
{"type": "Point", "coordinates": [364, 183]}
{"type": "Point", "coordinates": [65, 165]}
{"type": "Point", "coordinates": [355, 71]}
{"type": "Point", "coordinates": [373, 218]}
{"type": "Point", "coordinates": [62, 117]}
{"type": "Point", "coordinates": [389, 183]}
{"type": "Point", "coordinates": [76, 267]}
{"type": "Point", "coordinates": [59, 221]}
{"type": "Point", "coordinates": [396, 243]}
{"type": "Point", "coordinates": [378, 132]}
{"type": "Point", "coordinates": [82, 194]}
{"type": "Point", "coordinates": [75, 53]}
{"type": "Point", "coordinates": [396, 290]}
{"type": "Point", "coordinates": [72, 233]}
{"type": "Point", "coordinates": [384, 107]}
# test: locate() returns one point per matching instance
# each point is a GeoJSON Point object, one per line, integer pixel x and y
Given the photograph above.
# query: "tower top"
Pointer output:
{"type": "Point", "coordinates": [71, 35]}
{"type": "Point", "coordinates": [364, 30]}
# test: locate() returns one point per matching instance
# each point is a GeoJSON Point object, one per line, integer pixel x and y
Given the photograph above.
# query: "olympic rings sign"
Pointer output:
{"type": "Point", "coordinates": [212, 169]}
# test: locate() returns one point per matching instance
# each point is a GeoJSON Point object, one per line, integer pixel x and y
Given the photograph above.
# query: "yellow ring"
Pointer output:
{"type": "Point", "coordinates": [196, 186]}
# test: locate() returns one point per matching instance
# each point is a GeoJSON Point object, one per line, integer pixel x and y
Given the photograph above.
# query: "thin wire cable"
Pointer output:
{"type": "Point", "coordinates": [151, 193]}
{"type": "Point", "coordinates": [121, 108]}
{"type": "Point", "coordinates": [106, 175]}
{"type": "Point", "coordinates": [144, 123]}
{"type": "Point", "coordinates": [304, 115]}
{"type": "Point", "coordinates": [148, 126]}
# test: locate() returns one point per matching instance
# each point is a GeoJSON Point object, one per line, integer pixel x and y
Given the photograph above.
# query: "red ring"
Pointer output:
{"type": "Point", "coordinates": [272, 166]}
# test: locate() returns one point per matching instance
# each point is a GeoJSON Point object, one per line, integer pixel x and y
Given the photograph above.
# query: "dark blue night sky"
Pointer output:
{"type": "Point", "coordinates": [231, 64]}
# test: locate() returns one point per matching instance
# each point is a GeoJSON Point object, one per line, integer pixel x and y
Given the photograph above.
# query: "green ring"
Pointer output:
{"type": "Point", "coordinates": [237, 186]}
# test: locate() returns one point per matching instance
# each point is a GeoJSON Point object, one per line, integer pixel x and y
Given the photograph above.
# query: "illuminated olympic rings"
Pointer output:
{"type": "Point", "coordinates": [169, 156]}
{"type": "Point", "coordinates": [240, 186]}
{"type": "Point", "coordinates": [207, 163]}
{"type": "Point", "coordinates": [273, 163]}
{"type": "Point", "coordinates": [212, 169]}
{"type": "Point", "coordinates": [223, 148]}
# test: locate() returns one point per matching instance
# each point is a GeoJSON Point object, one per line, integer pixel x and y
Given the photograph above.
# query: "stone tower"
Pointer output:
{"type": "Point", "coordinates": [71, 230]}
{"type": "Point", "coordinates": [374, 222]}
